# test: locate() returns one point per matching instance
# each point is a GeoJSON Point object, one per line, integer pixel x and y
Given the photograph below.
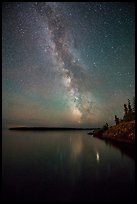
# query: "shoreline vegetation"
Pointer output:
{"type": "Point", "coordinates": [123, 131]}
{"type": "Point", "coordinates": [120, 135]}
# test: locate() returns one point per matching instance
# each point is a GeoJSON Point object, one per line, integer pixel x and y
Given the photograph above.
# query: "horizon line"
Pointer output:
{"type": "Point", "coordinates": [50, 128]}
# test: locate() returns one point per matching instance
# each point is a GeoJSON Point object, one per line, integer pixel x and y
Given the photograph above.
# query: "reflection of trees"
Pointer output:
{"type": "Point", "coordinates": [125, 149]}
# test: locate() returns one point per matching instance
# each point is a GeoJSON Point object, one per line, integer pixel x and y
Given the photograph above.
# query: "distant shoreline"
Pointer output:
{"type": "Point", "coordinates": [50, 128]}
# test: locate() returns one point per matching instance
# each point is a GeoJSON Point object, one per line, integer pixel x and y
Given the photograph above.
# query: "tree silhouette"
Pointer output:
{"type": "Point", "coordinates": [105, 127]}
{"type": "Point", "coordinates": [129, 113]}
{"type": "Point", "coordinates": [125, 109]}
{"type": "Point", "coordinates": [134, 103]}
{"type": "Point", "coordinates": [116, 120]}
{"type": "Point", "coordinates": [129, 106]}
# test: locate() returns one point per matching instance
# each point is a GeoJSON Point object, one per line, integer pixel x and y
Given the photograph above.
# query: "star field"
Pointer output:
{"type": "Point", "coordinates": [67, 63]}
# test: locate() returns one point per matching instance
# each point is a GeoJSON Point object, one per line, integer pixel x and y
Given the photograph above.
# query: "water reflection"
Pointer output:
{"type": "Point", "coordinates": [64, 166]}
{"type": "Point", "coordinates": [97, 157]}
{"type": "Point", "coordinates": [125, 149]}
{"type": "Point", "coordinates": [76, 146]}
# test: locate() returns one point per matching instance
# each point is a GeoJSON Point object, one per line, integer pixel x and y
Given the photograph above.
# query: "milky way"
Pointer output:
{"type": "Point", "coordinates": [66, 63]}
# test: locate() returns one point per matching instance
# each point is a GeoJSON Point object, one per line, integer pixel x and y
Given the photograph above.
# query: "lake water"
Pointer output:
{"type": "Point", "coordinates": [64, 166]}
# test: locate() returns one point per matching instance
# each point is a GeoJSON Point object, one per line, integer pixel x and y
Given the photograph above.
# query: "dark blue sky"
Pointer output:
{"type": "Point", "coordinates": [67, 64]}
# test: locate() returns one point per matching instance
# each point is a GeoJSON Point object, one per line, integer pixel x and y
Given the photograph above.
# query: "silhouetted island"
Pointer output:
{"type": "Point", "coordinates": [50, 128]}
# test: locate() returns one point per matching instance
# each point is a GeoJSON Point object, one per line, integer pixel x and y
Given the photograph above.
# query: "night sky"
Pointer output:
{"type": "Point", "coordinates": [67, 63]}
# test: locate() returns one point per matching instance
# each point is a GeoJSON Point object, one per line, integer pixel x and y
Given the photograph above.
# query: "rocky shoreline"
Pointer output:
{"type": "Point", "coordinates": [123, 132]}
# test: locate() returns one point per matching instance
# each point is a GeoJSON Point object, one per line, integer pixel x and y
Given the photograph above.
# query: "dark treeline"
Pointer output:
{"type": "Point", "coordinates": [49, 128]}
{"type": "Point", "coordinates": [129, 112]}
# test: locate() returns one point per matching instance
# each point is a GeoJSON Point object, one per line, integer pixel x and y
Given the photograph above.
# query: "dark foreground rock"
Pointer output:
{"type": "Point", "coordinates": [123, 132]}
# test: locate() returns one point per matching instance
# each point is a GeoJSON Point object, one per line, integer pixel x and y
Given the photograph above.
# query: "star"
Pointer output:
{"type": "Point", "coordinates": [61, 57]}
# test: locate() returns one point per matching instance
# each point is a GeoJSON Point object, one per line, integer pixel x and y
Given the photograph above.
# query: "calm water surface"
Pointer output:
{"type": "Point", "coordinates": [64, 166]}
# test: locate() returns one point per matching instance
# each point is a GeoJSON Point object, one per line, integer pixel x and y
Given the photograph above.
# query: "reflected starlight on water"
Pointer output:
{"type": "Point", "coordinates": [97, 157]}
{"type": "Point", "coordinates": [64, 166]}
{"type": "Point", "coordinates": [77, 147]}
